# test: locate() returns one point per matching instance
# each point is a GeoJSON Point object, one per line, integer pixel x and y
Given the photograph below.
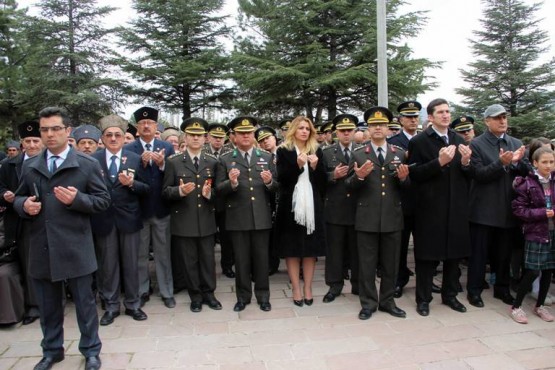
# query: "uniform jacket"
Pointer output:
{"type": "Point", "coordinates": [400, 140]}
{"type": "Point", "coordinates": [219, 200]}
{"type": "Point", "coordinates": [340, 205]}
{"type": "Point", "coordinates": [153, 204]}
{"type": "Point", "coordinates": [292, 239]}
{"type": "Point", "coordinates": [61, 242]}
{"type": "Point", "coordinates": [530, 206]}
{"type": "Point", "coordinates": [192, 215]}
{"type": "Point", "coordinates": [491, 190]}
{"type": "Point", "coordinates": [124, 212]}
{"type": "Point", "coordinates": [247, 207]}
{"type": "Point", "coordinates": [441, 228]}
{"type": "Point", "coordinates": [378, 196]}
{"type": "Point", "coordinates": [10, 173]}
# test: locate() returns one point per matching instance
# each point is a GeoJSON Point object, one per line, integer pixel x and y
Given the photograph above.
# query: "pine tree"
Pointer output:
{"type": "Point", "coordinates": [176, 54]}
{"type": "Point", "coordinates": [318, 57]}
{"type": "Point", "coordinates": [507, 68]}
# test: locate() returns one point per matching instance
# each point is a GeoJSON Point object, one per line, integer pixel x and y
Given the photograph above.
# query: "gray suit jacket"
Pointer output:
{"type": "Point", "coordinates": [61, 242]}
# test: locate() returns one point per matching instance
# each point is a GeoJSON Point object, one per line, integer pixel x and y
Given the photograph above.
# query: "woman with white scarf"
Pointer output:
{"type": "Point", "coordinates": [299, 221]}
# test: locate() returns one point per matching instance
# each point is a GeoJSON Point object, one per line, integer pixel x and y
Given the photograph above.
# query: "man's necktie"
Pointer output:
{"type": "Point", "coordinates": [347, 156]}
{"type": "Point", "coordinates": [113, 170]}
{"type": "Point", "coordinates": [195, 162]}
{"type": "Point", "coordinates": [247, 158]}
{"type": "Point", "coordinates": [53, 165]}
{"type": "Point", "coordinates": [445, 140]}
{"type": "Point", "coordinates": [380, 156]}
{"type": "Point", "coordinates": [216, 154]}
{"type": "Point", "coordinates": [148, 146]}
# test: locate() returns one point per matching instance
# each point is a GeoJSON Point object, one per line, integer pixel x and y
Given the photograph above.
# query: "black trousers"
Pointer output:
{"type": "Point", "coordinates": [403, 275]}
{"type": "Point", "coordinates": [499, 243]}
{"type": "Point", "coordinates": [425, 275]}
{"type": "Point", "coordinates": [342, 244]}
{"type": "Point", "coordinates": [50, 296]}
{"type": "Point", "coordinates": [197, 255]}
{"type": "Point", "coordinates": [251, 260]}
{"type": "Point", "coordinates": [226, 246]}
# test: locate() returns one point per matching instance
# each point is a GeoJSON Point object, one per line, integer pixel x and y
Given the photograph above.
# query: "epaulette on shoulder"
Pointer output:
{"type": "Point", "coordinates": [264, 151]}
{"type": "Point", "coordinates": [359, 148]}
{"type": "Point", "coordinates": [175, 155]}
{"type": "Point", "coordinates": [210, 155]}
{"type": "Point", "coordinates": [328, 147]}
{"type": "Point", "coordinates": [397, 147]}
{"type": "Point", "coordinates": [226, 154]}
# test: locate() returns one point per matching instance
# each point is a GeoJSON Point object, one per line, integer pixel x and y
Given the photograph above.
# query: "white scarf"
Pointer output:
{"type": "Point", "coordinates": [303, 201]}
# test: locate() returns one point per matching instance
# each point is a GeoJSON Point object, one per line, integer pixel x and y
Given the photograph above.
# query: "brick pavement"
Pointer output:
{"type": "Point", "coordinates": [323, 336]}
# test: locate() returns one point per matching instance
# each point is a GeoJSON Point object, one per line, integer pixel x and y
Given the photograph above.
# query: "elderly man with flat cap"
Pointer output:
{"type": "Point", "coordinates": [497, 158]}
{"type": "Point", "coordinates": [17, 228]}
{"type": "Point", "coordinates": [12, 148]}
{"type": "Point", "coordinates": [188, 186]}
{"type": "Point", "coordinates": [117, 230]}
{"type": "Point", "coordinates": [339, 209]}
{"type": "Point", "coordinates": [154, 209]}
{"type": "Point", "coordinates": [86, 138]}
{"type": "Point", "coordinates": [245, 177]}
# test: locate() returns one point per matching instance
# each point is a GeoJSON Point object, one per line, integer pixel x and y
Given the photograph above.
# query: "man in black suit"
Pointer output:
{"type": "Point", "coordinates": [245, 178]}
{"type": "Point", "coordinates": [154, 209]}
{"type": "Point", "coordinates": [16, 228]}
{"type": "Point", "coordinates": [117, 230]}
{"type": "Point", "coordinates": [60, 188]}
{"type": "Point", "coordinates": [375, 175]}
{"type": "Point", "coordinates": [497, 158]}
{"type": "Point", "coordinates": [440, 173]}
{"type": "Point", "coordinates": [339, 209]}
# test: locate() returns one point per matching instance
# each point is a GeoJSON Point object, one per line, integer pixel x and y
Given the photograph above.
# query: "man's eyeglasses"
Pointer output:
{"type": "Point", "coordinates": [52, 128]}
{"type": "Point", "coordinates": [113, 134]}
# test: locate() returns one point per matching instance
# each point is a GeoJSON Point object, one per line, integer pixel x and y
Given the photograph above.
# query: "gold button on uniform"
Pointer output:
{"type": "Point", "coordinates": [252, 198]}
{"type": "Point", "coordinates": [383, 193]}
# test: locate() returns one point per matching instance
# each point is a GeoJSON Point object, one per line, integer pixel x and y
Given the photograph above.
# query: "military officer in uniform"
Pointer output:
{"type": "Point", "coordinates": [188, 186]}
{"type": "Point", "coordinates": [393, 127]}
{"type": "Point", "coordinates": [339, 209]}
{"type": "Point", "coordinates": [284, 125]}
{"type": "Point", "coordinates": [376, 174]}
{"type": "Point", "coordinates": [328, 133]}
{"type": "Point", "coordinates": [216, 138]}
{"type": "Point", "coordinates": [245, 177]}
{"type": "Point", "coordinates": [408, 117]}
{"type": "Point", "coordinates": [464, 126]}
{"type": "Point", "coordinates": [267, 139]}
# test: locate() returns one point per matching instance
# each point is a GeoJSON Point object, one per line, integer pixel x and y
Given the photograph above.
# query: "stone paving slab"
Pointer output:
{"type": "Point", "coordinates": [321, 336]}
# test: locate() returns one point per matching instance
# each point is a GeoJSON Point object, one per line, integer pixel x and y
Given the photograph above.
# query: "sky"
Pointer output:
{"type": "Point", "coordinates": [444, 37]}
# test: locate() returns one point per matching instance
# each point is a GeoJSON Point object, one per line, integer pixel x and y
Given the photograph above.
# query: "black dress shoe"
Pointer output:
{"type": "Point", "coordinates": [507, 298]}
{"type": "Point", "coordinates": [196, 306]}
{"type": "Point", "coordinates": [309, 302]}
{"type": "Point", "coordinates": [329, 297]}
{"type": "Point", "coordinates": [365, 314]}
{"type": "Point", "coordinates": [145, 297]}
{"type": "Point", "coordinates": [29, 320]}
{"type": "Point", "coordinates": [423, 308]}
{"type": "Point", "coordinates": [398, 293]}
{"type": "Point", "coordinates": [395, 311]}
{"type": "Point", "coordinates": [213, 303]}
{"type": "Point", "coordinates": [46, 362]}
{"type": "Point", "coordinates": [93, 363]}
{"type": "Point", "coordinates": [239, 306]}
{"type": "Point", "coordinates": [169, 302]}
{"type": "Point", "coordinates": [228, 273]}
{"type": "Point", "coordinates": [298, 303]}
{"type": "Point", "coordinates": [108, 317]}
{"type": "Point", "coordinates": [454, 304]}
{"type": "Point", "coordinates": [136, 314]}
{"type": "Point", "coordinates": [436, 288]}
{"type": "Point", "coordinates": [265, 306]}
{"type": "Point", "coordinates": [475, 300]}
